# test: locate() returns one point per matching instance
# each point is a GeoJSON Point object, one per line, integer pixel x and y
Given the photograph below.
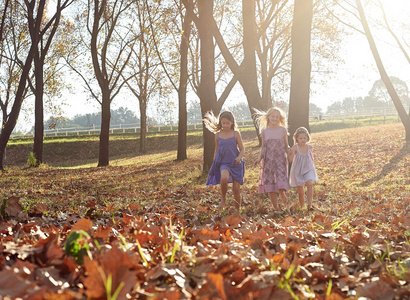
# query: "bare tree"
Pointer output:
{"type": "Point", "coordinates": [45, 37]}
{"type": "Point", "coordinates": [146, 80]}
{"type": "Point", "coordinates": [35, 14]}
{"type": "Point", "coordinates": [109, 41]}
{"type": "Point", "coordinates": [176, 21]}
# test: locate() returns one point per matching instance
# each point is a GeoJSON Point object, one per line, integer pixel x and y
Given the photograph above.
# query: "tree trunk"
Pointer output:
{"type": "Point", "coordinates": [206, 89]}
{"type": "Point", "coordinates": [38, 111]}
{"type": "Point", "coordinates": [250, 77]}
{"type": "Point", "coordinates": [404, 117]}
{"type": "Point", "coordinates": [183, 118]}
{"type": "Point", "coordinates": [143, 131]}
{"type": "Point", "coordinates": [103, 158]}
{"type": "Point", "coordinates": [249, 80]}
{"type": "Point", "coordinates": [301, 66]}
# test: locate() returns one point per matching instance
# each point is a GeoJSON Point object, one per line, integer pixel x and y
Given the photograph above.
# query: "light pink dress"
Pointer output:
{"type": "Point", "coordinates": [273, 175]}
{"type": "Point", "coordinates": [303, 168]}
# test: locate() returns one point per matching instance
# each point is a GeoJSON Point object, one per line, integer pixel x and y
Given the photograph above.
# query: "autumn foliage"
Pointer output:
{"type": "Point", "coordinates": [149, 229]}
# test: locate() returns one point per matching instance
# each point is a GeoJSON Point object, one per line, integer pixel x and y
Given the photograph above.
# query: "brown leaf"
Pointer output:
{"type": "Point", "coordinates": [334, 296]}
{"type": "Point", "coordinates": [49, 249]}
{"type": "Point", "coordinates": [358, 239]}
{"type": "Point", "coordinates": [103, 233]}
{"type": "Point", "coordinates": [233, 221]}
{"type": "Point", "coordinates": [378, 290]}
{"type": "Point", "coordinates": [39, 208]}
{"type": "Point", "coordinates": [13, 207]}
{"type": "Point", "coordinates": [319, 219]}
{"type": "Point", "coordinates": [328, 260]}
{"type": "Point", "coordinates": [116, 263]}
{"type": "Point", "coordinates": [12, 285]}
{"type": "Point", "coordinates": [94, 282]}
{"type": "Point", "coordinates": [172, 295]}
{"type": "Point", "coordinates": [218, 282]}
{"type": "Point", "coordinates": [83, 224]}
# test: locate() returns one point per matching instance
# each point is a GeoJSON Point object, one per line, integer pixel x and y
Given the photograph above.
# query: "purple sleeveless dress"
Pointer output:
{"type": "Point", "coordinates": [225, 159]}
{"type": "Point", "coordinates": [303, 168]}
{"type": "Point", "coordinates": [273, 174]}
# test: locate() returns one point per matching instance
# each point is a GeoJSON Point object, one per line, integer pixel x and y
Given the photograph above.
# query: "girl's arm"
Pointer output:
{"type": "Point", "coordinates": [241, 148]}
{"type": "Point", "coordinates": [285, 138]}
{"type": "Point", "coordinates": [292, 153]}
{"type": "Point", "coordinates": [260, 152]}
{"type": "Point", "coordinates": [216, 144]}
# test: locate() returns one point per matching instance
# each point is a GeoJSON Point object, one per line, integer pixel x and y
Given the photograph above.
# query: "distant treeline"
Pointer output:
{"type": "Point", "coordinates": [124, 115]}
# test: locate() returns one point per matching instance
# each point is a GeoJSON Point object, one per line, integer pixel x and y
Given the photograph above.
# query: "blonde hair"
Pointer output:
{"type": "Point", "coordinates": [299, 131]}
{"type": "Point", "coordinates": [214, 124]}
{"type": "Point", "coordinates": [262, 117]}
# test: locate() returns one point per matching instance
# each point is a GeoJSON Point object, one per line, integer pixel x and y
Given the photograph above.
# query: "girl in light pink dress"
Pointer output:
{"type": "Point", "coordinates": [273, 177]}
{"type": "Point", "coordinates": [302, 171]}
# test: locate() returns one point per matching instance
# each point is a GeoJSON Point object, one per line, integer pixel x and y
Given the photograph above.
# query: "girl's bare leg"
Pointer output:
{"type": "Point", "coordinates": [224, 187]}
{"type": "Point", "coordinates": [282, 194]}
{"type": "Point", "coordinates": [301, 194]}
{"type": "Point", "coordinates": [236, 189]}
{"type": "Point", "coordinates": [309, 192]}
{"type": "Point", "coordinates": [274, 200]}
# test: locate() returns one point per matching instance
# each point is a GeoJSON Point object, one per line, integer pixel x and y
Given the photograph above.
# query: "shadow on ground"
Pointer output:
{"type": "Point", "coordinates": [390, 166]}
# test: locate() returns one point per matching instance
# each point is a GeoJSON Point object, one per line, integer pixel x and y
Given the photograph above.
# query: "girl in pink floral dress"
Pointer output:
{"type": "Point", "coordinates": [273, 177]}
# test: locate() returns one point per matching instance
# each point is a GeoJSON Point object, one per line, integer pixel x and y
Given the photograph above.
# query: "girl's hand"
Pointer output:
{"type": "Point", "coordinates": [291, 154]}
{"type": "Point", "coordinates": [257, 162]}
{"type": "Point", "coordinates": [237, 160]}
{"type": "Point", "coordinates": [289, 151]}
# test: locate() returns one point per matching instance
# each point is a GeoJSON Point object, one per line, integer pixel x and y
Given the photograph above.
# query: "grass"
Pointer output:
{"type": "Point", "coordinates": [366, 163]}
{"type": "Point", "coordinates": [362, 205]}
{"type": "Point", "coordinates": [82, 151]}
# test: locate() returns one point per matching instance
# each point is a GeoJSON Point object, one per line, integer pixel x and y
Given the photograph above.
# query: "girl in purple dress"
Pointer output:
{"type": "Point", "coordinates": [273, 176]}
{"type": "Point", "coordinates": [228, 166]}
{"type": "Point", "coordinates": [302, 171]}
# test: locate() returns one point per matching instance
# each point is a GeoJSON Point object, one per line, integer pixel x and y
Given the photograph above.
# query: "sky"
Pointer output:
{"type": "Point", "coordinates": [356, 76]}
{"type": "Point", "coordinates": [352, 78]}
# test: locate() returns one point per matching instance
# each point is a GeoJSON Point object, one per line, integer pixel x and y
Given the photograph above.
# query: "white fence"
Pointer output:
{"type": "Point", "coordinates": [121, 128]}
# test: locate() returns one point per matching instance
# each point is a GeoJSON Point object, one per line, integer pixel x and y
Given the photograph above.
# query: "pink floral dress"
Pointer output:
{"type": "Point", "coordinates": [273, 175]}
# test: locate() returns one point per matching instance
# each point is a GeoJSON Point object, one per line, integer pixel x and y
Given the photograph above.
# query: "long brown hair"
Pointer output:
{"type": "Point", "coordinates": [213, 123]}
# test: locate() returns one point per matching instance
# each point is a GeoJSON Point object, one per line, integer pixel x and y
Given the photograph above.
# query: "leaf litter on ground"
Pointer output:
{"type": "Point", "coordinates": [150, 229]}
